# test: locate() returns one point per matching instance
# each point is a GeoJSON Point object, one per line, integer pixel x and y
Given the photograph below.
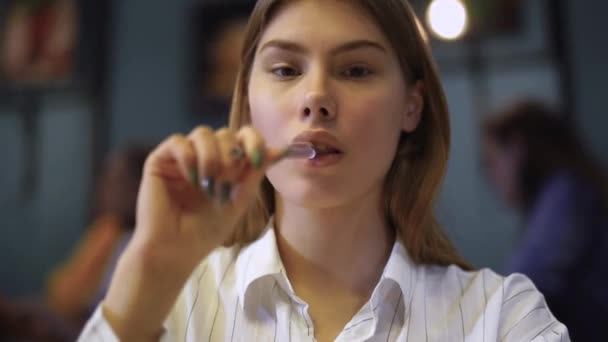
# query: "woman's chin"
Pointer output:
{"type": "Point", "coordinates": [310, 198]}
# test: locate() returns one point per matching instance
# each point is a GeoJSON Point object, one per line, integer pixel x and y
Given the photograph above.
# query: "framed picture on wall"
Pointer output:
{"type": "Point", "coordinates": [50, 47]}
{"type": "Point", "coordinates": [52, 44]}
{"type": "Point", "coordinates": [39, 41]}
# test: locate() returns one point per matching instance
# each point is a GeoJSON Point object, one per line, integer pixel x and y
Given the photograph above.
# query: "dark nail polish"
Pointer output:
{"type": "Point", "coordinates": [225, 192]}
{"type": "Point", "coordinates": [208, 184]}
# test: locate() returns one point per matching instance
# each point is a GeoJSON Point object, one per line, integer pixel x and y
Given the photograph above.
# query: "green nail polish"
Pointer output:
{"type": "Point", "coordinates": [257, 158]}
{"type": "Point", "coordinates": [194, 176]}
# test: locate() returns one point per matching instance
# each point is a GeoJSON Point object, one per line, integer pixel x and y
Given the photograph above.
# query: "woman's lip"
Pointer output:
{"type": "Point", "coordinates": [319, 137]}
{"type": "Point", "coordinates": [324, 160]}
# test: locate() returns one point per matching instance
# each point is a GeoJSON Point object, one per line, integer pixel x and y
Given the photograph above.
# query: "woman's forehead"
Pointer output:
{"type": "Point", "coordinates": [322, 23]}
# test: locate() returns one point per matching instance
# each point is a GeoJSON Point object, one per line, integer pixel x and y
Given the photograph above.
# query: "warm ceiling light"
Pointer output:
{"type": "Point", "coordinates": [447, 18]}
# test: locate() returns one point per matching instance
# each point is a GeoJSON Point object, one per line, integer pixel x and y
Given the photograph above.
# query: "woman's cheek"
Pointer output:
{"type": "Point", "coordinates": [272, 118]}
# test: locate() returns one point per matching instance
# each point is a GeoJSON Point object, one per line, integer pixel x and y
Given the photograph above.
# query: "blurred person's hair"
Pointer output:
{"type": "Point", "coordinates": [118, 184]}
{"type": "Point", "coordinates": [208, 20]}
{"type": "Point", "coordinates": [413, 181]}
{"type": "Point", "coordinates": [550, 142]}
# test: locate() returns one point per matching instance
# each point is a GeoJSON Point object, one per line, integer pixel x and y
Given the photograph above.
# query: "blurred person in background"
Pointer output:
{"type": "Point", "coordinates": [80, 282]}
{"type": "Point", "coordinates": [77, 285]}
{"type": "Point", "coordinates": [219, 31]}
{"type": "Point", "coordinates": [539, 166]}
{"type": "Point", "coordinates": [25, 320]}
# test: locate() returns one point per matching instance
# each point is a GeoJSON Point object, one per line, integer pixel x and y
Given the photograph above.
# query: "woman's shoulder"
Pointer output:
{"type": "Point", "coordinates": [510, 305]}
{"type": "Point", "coordinates": [229, 269]}
{"type": "Point", "coordinates": [485, 279]}
{"type": "Point", "coordinates": [469, 280]}
{"type": "Point", "coordinates": [215, 274]}
{"type": "Point", "coordinates": [485, 283]}
{"type": "Point", "coordinates": [216, 265]}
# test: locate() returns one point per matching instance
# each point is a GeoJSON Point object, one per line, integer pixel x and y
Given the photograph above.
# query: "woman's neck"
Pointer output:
{"type": "Point", "coordinates": [343, 249]}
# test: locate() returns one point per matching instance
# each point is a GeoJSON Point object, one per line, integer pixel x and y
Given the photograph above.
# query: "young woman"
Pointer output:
{"type": "Point", "coordinates": [539, 166]}
{"type": "Point", "coordinates": [343, 246]}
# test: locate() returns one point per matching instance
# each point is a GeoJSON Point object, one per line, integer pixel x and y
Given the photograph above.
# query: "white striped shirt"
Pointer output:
{"type": "Point", "coordinates": [245, 295]}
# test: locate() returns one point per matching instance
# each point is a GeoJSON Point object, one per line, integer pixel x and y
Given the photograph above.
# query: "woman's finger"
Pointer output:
{"type": "Point", "coordinates": [208, 158]}
{"type": "Point", "coordinates": [173, 151]}
{"type": "Point", "coordinates": [232, 162]}
{"type": "Point", "coordinates": [254, 146]}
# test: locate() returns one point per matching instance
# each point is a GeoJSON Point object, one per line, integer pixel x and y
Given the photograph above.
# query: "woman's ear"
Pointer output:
{"type": "Point", "coordinates": [414, 104]}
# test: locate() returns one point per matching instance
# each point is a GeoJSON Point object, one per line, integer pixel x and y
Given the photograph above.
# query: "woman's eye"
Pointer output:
{"type": "Point", "coordinates": [285, 72]}
{"type": "Point", "coordinates": [357, 72]}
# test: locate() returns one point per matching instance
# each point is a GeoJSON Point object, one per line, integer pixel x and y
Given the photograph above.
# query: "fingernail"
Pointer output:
{"type": "Point", "coordinates": [225, 192]}
{"type": "Point", "coordinates": [257, 158]}
{"type": "Point", "coordinates": [237, 153]}
{"type": "Point", "coordinates": [208, 184]}
{"type": "Point", "coordinates": [194, 176]}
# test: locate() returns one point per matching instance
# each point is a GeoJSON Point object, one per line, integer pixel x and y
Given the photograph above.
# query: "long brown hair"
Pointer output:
{"type": "Point", "coordinates": [412, 183]}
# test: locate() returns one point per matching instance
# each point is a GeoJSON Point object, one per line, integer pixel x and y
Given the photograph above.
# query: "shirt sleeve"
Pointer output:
{"type": "Point", "coordinates": [98, 329]}
{"type": "Point", "coordinates": [525, 315]}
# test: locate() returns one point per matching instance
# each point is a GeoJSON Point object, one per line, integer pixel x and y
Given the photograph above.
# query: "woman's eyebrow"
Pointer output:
{"type": "Point", "coordinates": [346, 47]}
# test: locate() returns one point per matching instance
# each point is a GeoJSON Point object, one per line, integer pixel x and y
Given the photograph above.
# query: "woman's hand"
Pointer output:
{"type": "Point", "coordinates": [194, 191]}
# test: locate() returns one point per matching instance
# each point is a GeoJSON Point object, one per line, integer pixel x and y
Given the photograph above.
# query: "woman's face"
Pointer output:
{"type": "Point", "coordinates": [324, 69]}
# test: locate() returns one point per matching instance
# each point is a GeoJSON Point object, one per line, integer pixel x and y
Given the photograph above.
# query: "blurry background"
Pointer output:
{"type": "Point", "coordinates": [132, 71]}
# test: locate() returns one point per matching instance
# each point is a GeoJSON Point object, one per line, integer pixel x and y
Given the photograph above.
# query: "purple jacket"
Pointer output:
{"type": "Point", "coordinates": [564, 250]}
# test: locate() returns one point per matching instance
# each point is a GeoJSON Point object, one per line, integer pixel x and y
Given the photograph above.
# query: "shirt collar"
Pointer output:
{"type": "Point", "coordinates": [261, 259]}
{"type": "Point", "coordinates": [256, 261]}
{"type": "Point", "coordinates": [401, 270]}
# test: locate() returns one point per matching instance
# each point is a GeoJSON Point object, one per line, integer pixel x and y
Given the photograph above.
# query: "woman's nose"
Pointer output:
{"type": "Point", "coordinates": [318, 104]}
{"type": "Point", "coordinates": [316, 107]}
